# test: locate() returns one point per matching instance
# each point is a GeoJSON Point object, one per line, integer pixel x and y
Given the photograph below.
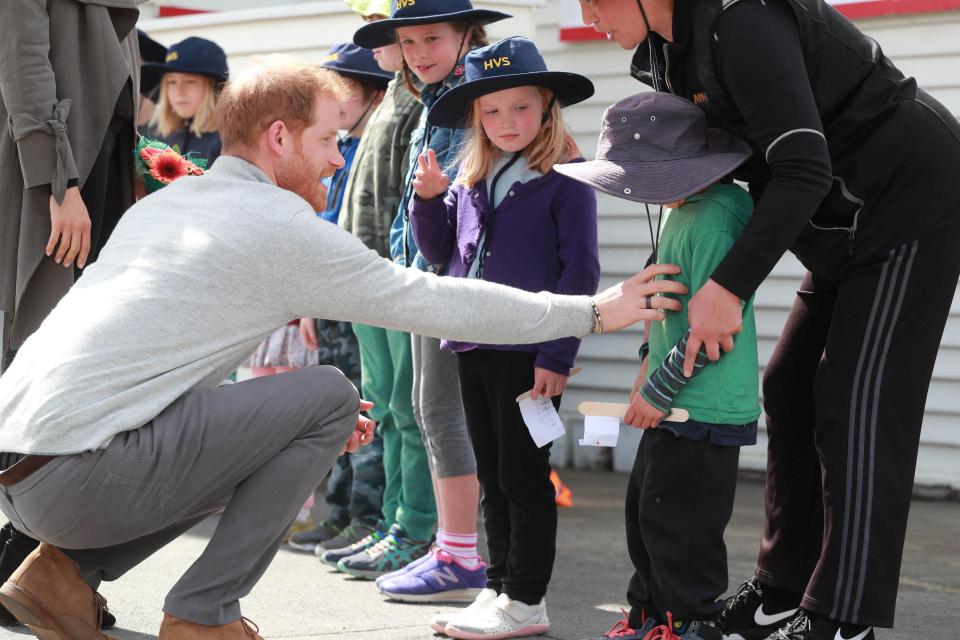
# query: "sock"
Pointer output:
{"type": "Point", "coordinates": [462, 546]}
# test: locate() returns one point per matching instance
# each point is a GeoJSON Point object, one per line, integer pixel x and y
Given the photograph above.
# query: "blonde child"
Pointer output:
{"type": "Point", "coordinates": [190, 80]}
{"type": "Point", "coordinates": [509, 218]}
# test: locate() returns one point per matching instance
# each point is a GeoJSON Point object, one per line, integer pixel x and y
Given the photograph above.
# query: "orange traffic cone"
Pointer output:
{"type": "Point", "coordinates": [564, 496]}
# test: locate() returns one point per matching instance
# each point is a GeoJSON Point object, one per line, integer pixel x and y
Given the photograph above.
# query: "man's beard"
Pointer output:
{"type": "Point", "coordinates": [302, 177]}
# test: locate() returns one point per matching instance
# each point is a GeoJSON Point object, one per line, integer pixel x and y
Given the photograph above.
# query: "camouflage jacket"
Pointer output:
{"type": "Point", "coordinates": [376, 182]}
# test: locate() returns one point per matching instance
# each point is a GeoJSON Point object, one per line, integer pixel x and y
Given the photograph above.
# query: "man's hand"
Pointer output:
{"type": "Point", "coordinates": [715, 315]}
{"type": "Point", "coordinates": [363, 434]}
{"type": "Point", "coordinates": [429, 181]}
{"type": "Point", "coordinates": [547, 383]}
{"type": "Point", "coordinates": [308, 334]}
{"type": "Point", "coordinates": [70, 227]}
{"type": "Point", "coordinates": [641, 413]}
{"type": "Point", "coordinates": [636, 299]}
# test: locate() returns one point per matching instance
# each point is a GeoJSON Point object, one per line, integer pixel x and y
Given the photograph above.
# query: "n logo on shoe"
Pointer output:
{"type": "Point", "coordinates": [860, 636]}
{"type": "Point", "coordinates": [764, 620]}
{"type": "Point", "coordinates": [446, 577]}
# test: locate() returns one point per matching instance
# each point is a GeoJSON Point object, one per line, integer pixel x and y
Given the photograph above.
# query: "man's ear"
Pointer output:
{"type": "Point", "coordinates": [278, 137]}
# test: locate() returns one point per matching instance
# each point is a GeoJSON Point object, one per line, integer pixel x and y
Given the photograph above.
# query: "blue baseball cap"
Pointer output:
{"type": "Point", "coordinates": [193, 55]}
{"type": "Point", "coordinates": [358, 63]}
{"type": "Point", "coordinates": [512, 62]}
{"type": "Point", "coordinates": [408, 13]}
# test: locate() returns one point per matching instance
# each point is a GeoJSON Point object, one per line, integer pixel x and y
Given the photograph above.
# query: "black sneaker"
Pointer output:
{"type": "Point", "coordinates": [809, 626]}
{"type": "Point", "coordinates": [308, 540]}
{"type": "Point", "coordinates": [751, 614]}
{"type": "Point", "coordinates": [351, 534]}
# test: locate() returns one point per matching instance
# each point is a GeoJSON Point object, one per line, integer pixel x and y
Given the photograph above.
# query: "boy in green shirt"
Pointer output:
{"type": "Point", "coordinates": [656, 148]}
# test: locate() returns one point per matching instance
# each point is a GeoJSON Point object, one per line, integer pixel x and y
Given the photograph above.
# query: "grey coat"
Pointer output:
{"type": "Point", "coordinates": [63, 64]}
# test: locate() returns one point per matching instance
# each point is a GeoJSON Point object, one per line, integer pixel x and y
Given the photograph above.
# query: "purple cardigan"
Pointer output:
{"type": "Point", "coordinates": [544, 238]}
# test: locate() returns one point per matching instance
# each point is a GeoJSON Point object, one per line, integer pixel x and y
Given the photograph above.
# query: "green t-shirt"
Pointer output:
{"type": "Point", "coordinates": [697, 236]}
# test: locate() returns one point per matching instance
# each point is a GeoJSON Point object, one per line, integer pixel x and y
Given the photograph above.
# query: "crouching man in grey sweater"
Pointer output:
{"type": "Point", "coordinates": [115, 439]}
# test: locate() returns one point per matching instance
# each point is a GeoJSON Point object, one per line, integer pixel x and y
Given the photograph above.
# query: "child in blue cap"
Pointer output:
{"type": "Point", "coordinates": [509, 218]}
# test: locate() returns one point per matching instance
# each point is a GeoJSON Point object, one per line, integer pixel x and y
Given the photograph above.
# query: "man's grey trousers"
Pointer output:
{"type": "Point", "coordinates": [255, 450]}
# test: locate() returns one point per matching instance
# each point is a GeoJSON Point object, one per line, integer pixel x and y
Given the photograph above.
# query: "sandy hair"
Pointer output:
{"type": "Point", "coordinates": [165, 120]}
{"type": "Point", "coordinates": [553, 144]}
{"type": "Point", "coordinates": [271, 88]}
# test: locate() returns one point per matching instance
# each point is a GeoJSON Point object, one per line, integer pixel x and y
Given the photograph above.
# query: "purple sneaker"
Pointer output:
{"type": "Point", "coordinates": [439, 579]}
{"type": "Point", "coordinates": [407, 569]}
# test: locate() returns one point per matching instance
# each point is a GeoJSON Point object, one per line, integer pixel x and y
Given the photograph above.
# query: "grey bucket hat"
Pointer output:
{"type": "Point", "coordinates": [656, 148]}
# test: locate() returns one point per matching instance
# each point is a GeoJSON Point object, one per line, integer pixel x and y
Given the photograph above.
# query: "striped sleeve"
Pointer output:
{"type": "Point", "coordinates": [663, 385]}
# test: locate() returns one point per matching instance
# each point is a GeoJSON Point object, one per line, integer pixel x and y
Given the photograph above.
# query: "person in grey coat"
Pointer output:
{"type": "Point", "coordinates": [66, 171]}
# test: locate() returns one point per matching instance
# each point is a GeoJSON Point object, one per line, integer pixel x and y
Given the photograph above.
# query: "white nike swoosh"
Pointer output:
{"type": "Point", "coordinates": [765, 620]}
{"type": "Point", "coordinates": [859, 636]}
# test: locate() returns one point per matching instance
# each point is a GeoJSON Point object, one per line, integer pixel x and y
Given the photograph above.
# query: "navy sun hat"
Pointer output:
{"type": "Point", "coordinates": [150, 51]}
{"type": "Point", "coordinates": [656, 148]}
{"type": "Point", "coordinates": [358, 63]}
{"type": "Point", "coordinates": [193, 55]}
{"type": "Point", "coordinates": [408, 13]}
{"type": "Point", "coordinates": [512, 62]}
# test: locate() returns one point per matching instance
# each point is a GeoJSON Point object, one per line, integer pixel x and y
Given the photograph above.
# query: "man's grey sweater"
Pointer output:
{"type": "Point", "coordinates": [196, 276]}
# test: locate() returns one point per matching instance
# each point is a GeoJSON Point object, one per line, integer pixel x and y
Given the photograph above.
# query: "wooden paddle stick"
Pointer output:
{"type": "Point", "coordinates": [619, 409]}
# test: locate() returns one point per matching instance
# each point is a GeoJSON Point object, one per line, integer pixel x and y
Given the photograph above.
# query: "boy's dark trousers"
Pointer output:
{"type": "Point", "coordinates": [519, 505]}
{"type": "Point", "coordinates": [844, 394]}
{"type": "Point", "coordinates": [679, 500]}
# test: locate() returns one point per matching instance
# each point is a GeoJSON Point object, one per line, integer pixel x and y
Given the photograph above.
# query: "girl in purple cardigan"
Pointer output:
{"type": "Point", "coordinates": [509, 218]}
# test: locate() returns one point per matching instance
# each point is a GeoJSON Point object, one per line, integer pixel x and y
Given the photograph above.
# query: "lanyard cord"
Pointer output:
{"type": "Point", "coordinates": [654, 239]}
{"type": "Point", "coordinates": [493, 210]}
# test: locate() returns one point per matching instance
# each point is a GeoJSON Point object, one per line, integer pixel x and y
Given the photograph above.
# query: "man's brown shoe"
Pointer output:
{"type": "Point", "coordinates": [48, 594]}
{"type": "Point", "coordinates": [174, 628]}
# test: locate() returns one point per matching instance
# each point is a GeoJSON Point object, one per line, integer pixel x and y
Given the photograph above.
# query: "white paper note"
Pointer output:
{"type": "Point", "coordinates": [541, 419]}
{"type": "Point", "coordinates": [600, 431]}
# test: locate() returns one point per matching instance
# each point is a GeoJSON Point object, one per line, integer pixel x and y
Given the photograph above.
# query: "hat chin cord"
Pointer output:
{"type": "Point", "coordinates": [359, 120]}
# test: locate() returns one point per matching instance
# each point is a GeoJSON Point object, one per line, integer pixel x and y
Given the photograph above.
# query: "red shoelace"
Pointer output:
{"type": "Point", "coordinates": [664, 631]}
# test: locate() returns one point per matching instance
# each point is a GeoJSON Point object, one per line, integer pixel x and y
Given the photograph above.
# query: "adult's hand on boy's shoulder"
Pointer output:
{"type": "Point", "coordinates": [715, 315]}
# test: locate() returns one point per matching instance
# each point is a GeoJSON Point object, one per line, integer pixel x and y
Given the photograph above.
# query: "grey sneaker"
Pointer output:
{"type": "Point", "coordinates": [331, 557]}
{"type": "Point", "coordinates": [307, 541]}
{"type": "Point", "coordinates": [351, 534]}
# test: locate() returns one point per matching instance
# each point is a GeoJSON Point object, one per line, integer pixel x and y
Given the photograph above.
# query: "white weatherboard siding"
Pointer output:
{"type": "Point", "coordinates": [926, 47]}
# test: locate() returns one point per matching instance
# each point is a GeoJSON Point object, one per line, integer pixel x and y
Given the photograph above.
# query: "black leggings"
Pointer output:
{"type": "Point", "coordinates": [844, 394]}
{"type": "Point", "coordinates": [519, 502]}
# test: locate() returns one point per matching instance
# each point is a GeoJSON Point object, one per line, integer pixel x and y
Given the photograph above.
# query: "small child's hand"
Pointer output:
{"type": "Point", "coordinates": [308, 334]}
{"type": "Point", "coordinates": [642, 414]}
{"type": "Point", "coordinates": [547, 383]}
{"type": "Point", "coordinates": [429, 181]}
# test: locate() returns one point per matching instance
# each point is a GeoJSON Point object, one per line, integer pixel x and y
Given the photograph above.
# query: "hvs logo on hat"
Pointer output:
{"type": "Point", "coordinates": [496, 63]}
{"type": "Point", "coordinates": [403, 4]}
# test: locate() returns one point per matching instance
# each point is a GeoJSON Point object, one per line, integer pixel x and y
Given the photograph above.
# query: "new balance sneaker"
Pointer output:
{"type": "Point", "coordinates": [351, 534]}
{"type": "Point", "coordinates": [623, 631]}
{"type": "Point", "coordinates": [332, 557]}
{"type": "Point", "coordinates": [402, 570]}
{"type": "Point", "coordinates": [307, 541]}
{"type": "Point", "coordinates": [809, 626]}
{"type": "Point", "coordinates": [503, 618]}
{"type": "Point", "coordinates": [485, 598]}
{"type": "Point", "coordinates": [440, 579]}
{"type": "Point", "coordinates": [396, 550]}
{"type": "Point", "coordinates": [754, 612]}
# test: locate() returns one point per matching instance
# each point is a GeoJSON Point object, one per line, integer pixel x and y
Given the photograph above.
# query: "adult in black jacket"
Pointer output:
{"type": "Point", "coordinates": [854, 170]}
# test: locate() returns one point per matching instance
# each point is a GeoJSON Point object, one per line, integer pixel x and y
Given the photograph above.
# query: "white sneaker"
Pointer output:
{"type": "Point", "coordinates": [505, 618]}
{"type": "Point", "coordinates": [440, 621]}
